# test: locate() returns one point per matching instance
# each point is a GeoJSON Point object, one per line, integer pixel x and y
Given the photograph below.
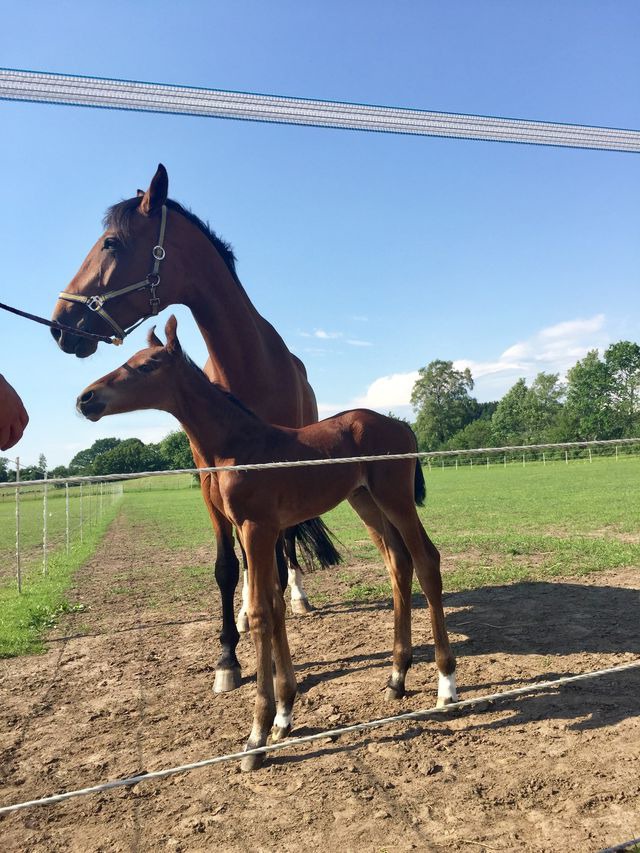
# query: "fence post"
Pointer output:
{"type": "Point", "coordinates": [505, 460]}
{"type": "Point", "coordinates": [66, 514]}
{"type": "Point", "coordinates": [590, 456]}
{"type": "Point", "coordinates": [523, 460]}
{"type": "Point", "coordinates": [81, 514]}
{"type": "Point", "coordinates": [18, 566]}
{"type": "Point", "coordinates": [566, 457]}
{"type": "Point", "coordinates": [44, 528]}
{"type": "Point", "coordinates": [616, 452]}
{"type": "Point", "coordinates": [544, 461]}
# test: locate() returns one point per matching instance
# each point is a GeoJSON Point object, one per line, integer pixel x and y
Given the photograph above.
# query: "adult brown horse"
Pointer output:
{"type": "Point", "coordinates": [259, 504]}
{"type": "Point", "coordinates": [154, 253]}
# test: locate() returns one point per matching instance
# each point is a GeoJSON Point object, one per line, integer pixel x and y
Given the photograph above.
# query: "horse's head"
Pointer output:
{"type": "Point", "coordinates": [146, 381]}
{"type": "Point", "coordinates": [100, 297]}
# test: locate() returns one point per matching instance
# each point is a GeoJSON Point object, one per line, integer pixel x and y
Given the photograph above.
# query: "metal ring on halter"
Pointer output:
{"type": "Point", "coordinates": [153, 279]}
{"type": "Point", "coordinates": [95, 303]}
{"type": "Point", "coordinates": [158, 253]}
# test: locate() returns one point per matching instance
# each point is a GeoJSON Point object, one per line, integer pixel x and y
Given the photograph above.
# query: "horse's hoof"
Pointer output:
{"type": "Point", "coordinates": [392, 694]}
{"type": "Point", "coordinates": [227, 680]}
{"type": "Point", "coordinates": [252, 762]}
{"type": "Point", "coordinates": [301, 607]}
{"type": "Point", "coordinates": [443, 701]}
{"type": "Point", "coordinates": [242, 623]}
{"type": "Point", "coordinates": [279, 733]}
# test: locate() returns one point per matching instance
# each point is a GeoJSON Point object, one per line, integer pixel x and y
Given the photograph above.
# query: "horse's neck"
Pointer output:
{"type": "Point", "coordinates": [237, 337]}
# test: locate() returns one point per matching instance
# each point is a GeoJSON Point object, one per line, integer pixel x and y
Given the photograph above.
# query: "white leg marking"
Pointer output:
{"type": "Point", "coordinates": [396, 676]}
{"type": "Point", "coordinates": [282, 720]}
{"type": "Point", "coordinates": [242, 622]}
{"type": "Point", "coordinates": [447, 687]}
{"type": "Point", "coordinates": [295, 585]}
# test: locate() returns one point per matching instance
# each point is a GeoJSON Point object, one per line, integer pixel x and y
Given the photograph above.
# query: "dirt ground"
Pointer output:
{"type": "Point", "coordinates": [126, 686]}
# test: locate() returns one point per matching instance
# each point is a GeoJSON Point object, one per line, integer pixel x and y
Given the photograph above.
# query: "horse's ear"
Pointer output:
{"type": "Point", "coordinates": [170, 330]}
{"type": "Point", "coordinates": [156, 195]}
{"type": "Point", "coordinates": [152, 339]}
{"type": "Point", "coordinates": [139, 193]}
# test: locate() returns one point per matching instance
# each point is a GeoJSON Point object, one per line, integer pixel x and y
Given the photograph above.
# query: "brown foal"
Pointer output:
{"type": "Point", "coordinates": [259, 504]}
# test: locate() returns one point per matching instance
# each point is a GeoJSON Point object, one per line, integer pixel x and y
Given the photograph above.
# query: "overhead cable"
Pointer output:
{"type": "Point", "coordinates": [217, 103]}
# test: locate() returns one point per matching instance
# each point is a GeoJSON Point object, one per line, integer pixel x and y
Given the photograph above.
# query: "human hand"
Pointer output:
{"type": "Point", "coordinates": [13, 416]}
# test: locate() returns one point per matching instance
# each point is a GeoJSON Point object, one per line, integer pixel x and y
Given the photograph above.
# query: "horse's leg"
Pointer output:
{"type": "Point", "coordinates": [242, 620]}
{"type": "Point", "coordinates": [401, 511]}
{"type": "Point", "coordinates": [388, 541]}
{"type": "Point", "coordinates": [285, 680]}
{"type": "Point", "coordinates": [259, 544]}
{"type": "Point", "coordinates": [299, 601]}
{"type": "Point", "coordinates": [228, 672]}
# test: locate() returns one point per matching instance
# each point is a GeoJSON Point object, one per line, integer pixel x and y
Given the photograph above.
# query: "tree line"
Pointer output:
{"type": "Point", "coordinates": [600, 399]}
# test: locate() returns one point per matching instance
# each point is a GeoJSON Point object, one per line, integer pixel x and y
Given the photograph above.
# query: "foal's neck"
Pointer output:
{"type": "Point", "coordinates": [218, 425]}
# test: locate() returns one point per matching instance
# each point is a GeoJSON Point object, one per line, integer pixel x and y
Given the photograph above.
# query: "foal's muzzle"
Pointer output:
{"type": "Point", "coordinates": [90, 406]}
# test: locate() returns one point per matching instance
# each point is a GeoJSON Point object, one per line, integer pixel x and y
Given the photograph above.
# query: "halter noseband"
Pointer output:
{"type": "Point", "coordinates": [95, 303]}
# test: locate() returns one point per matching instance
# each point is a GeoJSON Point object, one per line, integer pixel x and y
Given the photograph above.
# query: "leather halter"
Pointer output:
{"type": "Point", "coordinates": [96, 302]}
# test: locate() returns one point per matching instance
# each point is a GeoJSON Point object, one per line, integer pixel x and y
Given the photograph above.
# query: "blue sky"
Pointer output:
{"type": "Point", "coordinates": [371, 254]}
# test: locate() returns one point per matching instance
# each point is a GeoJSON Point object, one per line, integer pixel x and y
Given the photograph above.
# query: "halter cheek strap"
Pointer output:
{"type": "Point", "coordinates": [96, 302]}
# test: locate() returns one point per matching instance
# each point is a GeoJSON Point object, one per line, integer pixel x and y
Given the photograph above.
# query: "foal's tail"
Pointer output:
{"type": "Point", "coordinates": [314, 539]}
{"type": "Point", "coordinates": [419, 489]}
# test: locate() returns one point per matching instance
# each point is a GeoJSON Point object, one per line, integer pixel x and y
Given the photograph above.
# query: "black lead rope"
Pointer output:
{"type": "Point", "coordinates": [54, 325]}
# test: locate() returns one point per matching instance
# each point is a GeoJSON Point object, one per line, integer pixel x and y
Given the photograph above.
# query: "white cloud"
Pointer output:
{"type": "Point", "coordinates": [322, 335]}
{"type": "Point", "coordinates": [356, 343]}
{"type": "Point", "coordinates": [553, 349]}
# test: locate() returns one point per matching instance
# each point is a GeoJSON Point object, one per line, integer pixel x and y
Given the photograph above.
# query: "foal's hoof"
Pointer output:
{"type": "Point", "coordinates": [227, 680]}
{"type": "Point", "coordinates": [392, 693]}
{"type": "Point", "coordinates": [252, 762]}
{"type": "Point", "coordinates": [301, 607]}
{"type": "Point", "coordinates": [242, 623]}
{"type": "Point", "coordinates": [279, 733]}
{"type": "Point", "coordinates": [443, 701]}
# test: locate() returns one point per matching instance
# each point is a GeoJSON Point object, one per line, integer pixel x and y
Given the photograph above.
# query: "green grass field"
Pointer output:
{"type": "Point", "coordinates": [493, 525]}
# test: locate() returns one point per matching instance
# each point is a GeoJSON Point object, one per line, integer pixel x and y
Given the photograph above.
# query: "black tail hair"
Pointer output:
{"type": "Point", "coordinates": [314, 538]}
{"type": "Point", "coordinates": [420, 489]}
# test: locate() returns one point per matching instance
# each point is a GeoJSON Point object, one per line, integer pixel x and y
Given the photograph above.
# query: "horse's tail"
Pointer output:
{"type": "Point", "coordinates": [314, 538]}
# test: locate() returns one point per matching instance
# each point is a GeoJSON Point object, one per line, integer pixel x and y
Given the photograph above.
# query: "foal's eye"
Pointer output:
{"type": "Point", "coordinates": [110, 245]}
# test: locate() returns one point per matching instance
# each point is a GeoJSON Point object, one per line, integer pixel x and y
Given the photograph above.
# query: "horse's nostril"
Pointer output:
{"type": "Point", "coordinates": [86, 396]}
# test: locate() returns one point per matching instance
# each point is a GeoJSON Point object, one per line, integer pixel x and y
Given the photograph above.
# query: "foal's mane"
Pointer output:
{"type": "Point", "coordinates": [118, 217]}
{"type": "Point", "coordinates": [230, 397]}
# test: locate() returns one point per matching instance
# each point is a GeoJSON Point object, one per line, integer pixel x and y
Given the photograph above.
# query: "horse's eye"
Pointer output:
{"type": "Point", "coordinates": [110, 245]}
{"type": "Point", "coordinates": [147, 367]}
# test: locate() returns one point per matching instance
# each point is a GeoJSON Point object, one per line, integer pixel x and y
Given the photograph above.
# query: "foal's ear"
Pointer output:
{"type": "Point", "coordinates": [152, 339]}
{"type": "Point", "coordinates": [173, 344]}
{"type": "Point", "coordinates": [156, 195]}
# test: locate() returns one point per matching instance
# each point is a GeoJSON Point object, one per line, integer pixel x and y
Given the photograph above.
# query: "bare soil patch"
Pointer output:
{"type": "Point", "coordinates": [126, 687]}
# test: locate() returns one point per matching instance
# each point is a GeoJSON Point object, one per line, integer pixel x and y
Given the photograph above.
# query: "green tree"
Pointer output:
{"type": "Point", "coordinates": [4, 469]}
{"type": "Point", "coordinates": [441, 400]}
{"type": "Point", "coordinates": [82, 462]}
{"type": "Point", "coordinates": [128, 457]}
{"type": "Point", "coordinates": [542, 408]}
{"type": "Point", "coordinates": [509, 418]}
{"type": "Point", "coordinates": [176, 450]}
{"type": "Point", "coordinates": [623, 366]}
{"type": "Point", "coordinates": [478, 433]}
{"type": "Point", "coordinates": [588, 405]}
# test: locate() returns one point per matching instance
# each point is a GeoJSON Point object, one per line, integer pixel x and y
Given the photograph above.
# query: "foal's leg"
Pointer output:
{"type": "Point", "coordinates": [402, 513]}
{"type": "Point", "coordinates": [299, 601]}
{"type": "Point", "coordinates": [259, 544]}
{"type": "Point", "coordinates": [228, 673]}
{"type": "Point", "coordinates": [396, 557]}
{"type": "Point", "coordinates": [242, 621]}
{"type": "Point", "coordinates": [285, 680]}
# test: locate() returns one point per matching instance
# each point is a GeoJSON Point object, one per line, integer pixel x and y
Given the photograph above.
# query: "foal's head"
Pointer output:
{"type": "Point", "coordinates": [147, 381]}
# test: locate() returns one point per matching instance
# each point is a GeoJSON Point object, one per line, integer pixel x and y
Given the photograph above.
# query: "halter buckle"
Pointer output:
{"type": "Point", "coordinates": [95, 303]}
{"type": "Point", "coordinates": [158, 253]}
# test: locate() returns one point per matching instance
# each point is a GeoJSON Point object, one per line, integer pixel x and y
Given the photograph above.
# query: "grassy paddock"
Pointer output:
{"type": "Point", "coordinates": [493, 524]}
{"type": "Point", "coordinates": [24, 618]}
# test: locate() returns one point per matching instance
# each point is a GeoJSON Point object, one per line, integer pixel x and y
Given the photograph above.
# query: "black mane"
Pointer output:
{"type": "Point", "coordinates": [118, 218]}
{"type": "Point", "coordinates": [231, 397]}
